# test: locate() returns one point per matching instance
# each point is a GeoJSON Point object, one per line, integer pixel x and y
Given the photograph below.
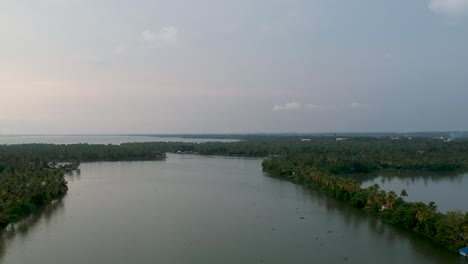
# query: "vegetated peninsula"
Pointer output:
{"type": "Point", "coordinates": [28, 181]}
{"type": "Point", "coordinates": [33, 174]}
{"type": "Point", "coordinates": [323, 166]}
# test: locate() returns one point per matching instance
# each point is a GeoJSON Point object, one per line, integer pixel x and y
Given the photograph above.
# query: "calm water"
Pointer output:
{"type": "Point", "coordinates": [448, 190]}
{"type": "Point", "coordinates": [193, 209]}
{"type": "Point", "coordinates": [100, 139]}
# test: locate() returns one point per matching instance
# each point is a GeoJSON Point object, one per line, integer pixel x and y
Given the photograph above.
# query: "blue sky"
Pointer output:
{"type": "Point", "coordinates": [206, 66]}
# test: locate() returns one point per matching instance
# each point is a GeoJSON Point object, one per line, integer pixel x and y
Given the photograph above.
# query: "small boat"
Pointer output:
{"type": "Point", "coordinates": [464, 251]}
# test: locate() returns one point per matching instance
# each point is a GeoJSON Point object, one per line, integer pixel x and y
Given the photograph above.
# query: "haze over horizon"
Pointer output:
{"type": "Point", "coordinates": [245, 66]}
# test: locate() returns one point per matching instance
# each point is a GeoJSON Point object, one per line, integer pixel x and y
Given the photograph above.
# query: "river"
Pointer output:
{"type": "Point", "coordinates": [448, 190]}
{"type": "Point", "coordinates": [196, 209]}
{"type": "Point", "coordinates": [100, 139]}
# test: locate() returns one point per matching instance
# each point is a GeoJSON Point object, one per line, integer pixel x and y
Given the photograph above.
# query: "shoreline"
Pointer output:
{"type": "Point", "coordinates": [376, 209]}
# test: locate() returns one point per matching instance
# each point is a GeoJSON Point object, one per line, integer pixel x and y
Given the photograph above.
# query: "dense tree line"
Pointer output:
{"type": "Point", "coordinates": [27, 181]}
{"type": "Point", "coordinates": [355, 155]}
{"type": "Point", "coordinates": [324, 169]}
{"type": "Point", "coordinates": [21, 191]}
{"type": "Point", "coordinates": [37, 154]}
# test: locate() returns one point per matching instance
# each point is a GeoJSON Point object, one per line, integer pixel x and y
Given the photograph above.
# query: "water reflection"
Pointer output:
{"type": "Point", "coordinates": [72, 175]}
{"type": "Point", "coordinates": [446, 189]}
{"type": "Point", "coordinates": [411, 176]}
{"type": "Point", "coordinates": [205, 210]}
{"type": "Point", "coordinates": [357, 221]}
{"type": "Point", "coordinates": [20, 230]}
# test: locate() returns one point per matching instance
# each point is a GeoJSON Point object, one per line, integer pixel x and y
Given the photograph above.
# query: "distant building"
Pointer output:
{"type": "Point", "coordinates": [305, 139]}
{"type": "Point", "coordinates": [341, 139]}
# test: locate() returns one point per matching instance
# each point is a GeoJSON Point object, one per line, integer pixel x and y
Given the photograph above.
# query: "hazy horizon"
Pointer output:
{"type": "Point", "coordinates": [232, 67]}
{"type": "Point", "coordinates": [450, 133]}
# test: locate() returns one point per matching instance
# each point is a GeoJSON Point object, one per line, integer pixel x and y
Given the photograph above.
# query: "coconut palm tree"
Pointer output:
{"type": "Point", "coordinates": [390, 199]}
{"type": "Point", "coordinates": [403, 193]}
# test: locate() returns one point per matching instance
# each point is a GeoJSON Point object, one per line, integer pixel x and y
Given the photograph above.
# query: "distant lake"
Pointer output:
{"type": "Point", "coordinates": [100, 139]}
{"type": "Point", "coordinates": [208, 210]}
{"type": "Point", "coordinates": [448, 190]}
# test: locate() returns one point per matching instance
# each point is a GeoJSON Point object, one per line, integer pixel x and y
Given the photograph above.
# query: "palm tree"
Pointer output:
{"type": "Point", "coordinates": [390, 199]}
{"type": "Point", "coordinates": [373, 197]}
{"type": "Point", "coordinates": [403, 193]}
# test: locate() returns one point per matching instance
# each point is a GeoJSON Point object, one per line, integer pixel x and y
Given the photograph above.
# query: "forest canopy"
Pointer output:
{"type": "Point", "coordinates": [28, 181]}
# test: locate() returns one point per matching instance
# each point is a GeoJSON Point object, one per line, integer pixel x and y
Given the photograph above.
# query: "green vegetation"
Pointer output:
{"type": "Point", "coordinates": [22, 190]}
{"type": "Point", "coordinates": [27, 181]}
{"type": "Point", "coordinates": [325, 167]}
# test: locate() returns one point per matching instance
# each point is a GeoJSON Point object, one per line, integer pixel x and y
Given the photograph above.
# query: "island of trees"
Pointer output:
{"type": "Point", "coordinates": [27, 181]}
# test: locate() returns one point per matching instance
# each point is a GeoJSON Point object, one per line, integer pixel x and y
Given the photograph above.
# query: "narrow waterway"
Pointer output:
{"type": "Point", "coordinates": [194, 209]}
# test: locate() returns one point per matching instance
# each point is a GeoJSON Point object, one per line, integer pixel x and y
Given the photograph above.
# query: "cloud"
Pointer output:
{"type": "Point", "coordinates": [337, 107]}
{"type": "Point", "coordinates": [388, 56]}
{"type": "Point", "coordinates": [356, 105]}
{"type": "Point", "coordinates": [312, 106]}
{"type": "Point", "coordinates": [119, 49]}
{"type": "Point", "coordinates": [265, 28]}
{"type": "Point", "coordinates": [148, 35]}
{"type": "Point", "coordinates": [291, 106]}
{"type": "Point", "coordinates": [168, 35]}
{"type": "Point", "coordinates": [449, 7]}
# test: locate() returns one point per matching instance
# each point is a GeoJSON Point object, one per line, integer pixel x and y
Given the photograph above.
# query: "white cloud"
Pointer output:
{"type": "Point", "coordinates": [265, 28]}
{"type": "Point", "coordinates": [337, 107]}
{"type": "Point", "coordinates": [449, 7]}
{"type": "Point", "coordinates": [356, 105]}
{"type": "Point", "coordinates": [119, 49]}
{"type": "Point", "coordinates": [148, 35]}
{"type": "Point", "coordinates": [388, 56]}
{"type": "Point", "coordinates": [291, 106]}
{"type": "Point", "coordinates": [168, 35]}
{"type": "Point", "coordinates": [312, 106]}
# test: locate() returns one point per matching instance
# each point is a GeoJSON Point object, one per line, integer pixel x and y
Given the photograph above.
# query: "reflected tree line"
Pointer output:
{"type": "Point", "coordinates": [411, 176]}
{"type": "Point", "coordinates": [27, 182]}
{"type": "Point", "coordinates": [20, 229]}
{"type": "Point", "coordinates": [357, 219]}
{"type": "Point", "coordinates": [328, 170]}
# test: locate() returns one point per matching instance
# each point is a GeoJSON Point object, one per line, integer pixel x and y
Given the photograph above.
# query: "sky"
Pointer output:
{"type": "Point", "coordinates": [237, 66]}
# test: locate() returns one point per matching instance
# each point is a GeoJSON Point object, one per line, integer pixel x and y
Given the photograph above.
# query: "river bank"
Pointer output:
{"type": "Point", "coordinates": [449, 230]}
{"type": "Point", "coordinates": [320, 161]}
{"type": "Point", "coordinates": [204, 209]}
